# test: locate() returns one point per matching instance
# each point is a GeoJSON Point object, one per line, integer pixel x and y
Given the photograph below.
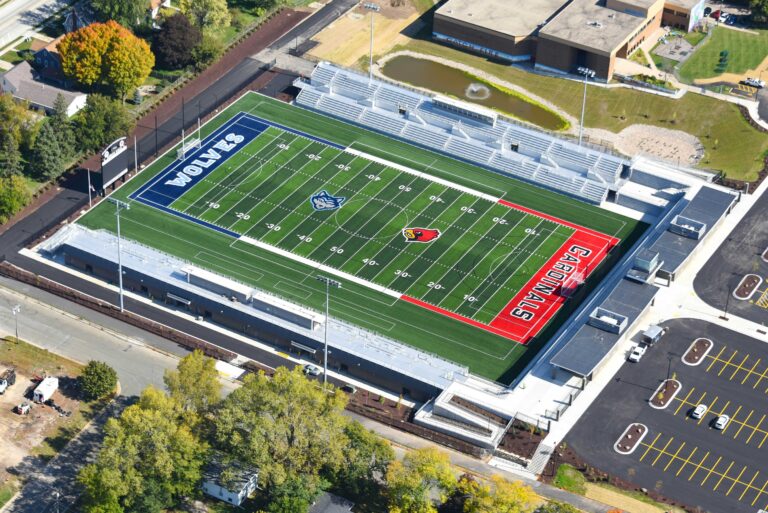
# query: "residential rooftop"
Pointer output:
{"type": "Point", "coordinates": [502, 16]}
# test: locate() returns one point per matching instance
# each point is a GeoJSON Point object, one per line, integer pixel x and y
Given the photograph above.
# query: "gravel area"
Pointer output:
{"type": "Point", "coordinates": [674, 146]}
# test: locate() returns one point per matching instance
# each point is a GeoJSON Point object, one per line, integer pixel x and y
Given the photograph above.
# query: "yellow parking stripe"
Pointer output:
{"type": "Point", "coordinates": [684, 401]}
{"type": "Point", "coordinates": [760, 378]}
{"type": "Point", "coordinates": [714, 359]}
{"type": "Point", "coordinates": [750, 371]}
{"type": "Point", "coordinates": [650, 447]}
{"type": "Point", "coordinates": [762, 491]}
{"type": "Point", "coordinates": [710, 410]}
{"type": "Point", "coordinates": [763, 441]}
{"type": "Point", "coordinates": [726, 364]}
{"type": "Point", "coordinates": [755, 429]}
{"type": "Point", "coordinates": [662, 451]}
{"type": "Point", "coordinates": [733, 419]}
{"type": "Point", "coordinates": [739, 367]}
{"type": "Point", "coordinates": [749, 486]}
{"type": "Point", "coordinates": [711, 469]}
{"type": "Point", "coordinates": [743, 424]}
{"type": "Point", "coordinates": [674, 457]}
{"type": "Point", "coordinates": [698, 466]}
{"type": "Point", "coordinates": [737, 480]}
{"type": "Point", "coordinates": [722, 476]}
{"type": "Point", "coordinates": [687, 460]}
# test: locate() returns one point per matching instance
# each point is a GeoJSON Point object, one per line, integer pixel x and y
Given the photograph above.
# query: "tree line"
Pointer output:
{"type": "Point", "coordinates": [294, 433]}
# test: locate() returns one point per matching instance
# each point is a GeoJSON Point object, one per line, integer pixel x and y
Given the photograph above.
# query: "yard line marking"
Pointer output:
{"type": "Point", "coordinates": [743, 424]}
{"type": "Point", "coordinates": [722, 475]}
{"type": "Point", "coordinates": [650, 446]}
{"type": "Point", "coordinates": [737, 480]}
{"type": "Point", "coordinates": [733, 419]}
{"type": "Point", "coordinates": [684, 401]}
{"type": "Point", "coordinates": [761, 492]}
{"type": "Point", "coordinates": [698, 466]}
{"type": "Point", "coordinates": [752, 370]}
{"type": "Point", "coordinates": [674, 456]}
{"type": "Point", "coordinates": [709, 410]}
{"type": "Point", "coordinates": [662, 451]}
{"type": "Point", "coordinates": [739, 367]}
{"type": "Point", "coordinates": [687, 460]}
{"type": "Point", "coordinates": [714, 359]}
{"type": "Point", "coordinates": [755, 428]}
{"type": "Point", "coordinates": [726, 364]}
{"type": "Point", "coordinates": [749, 486]}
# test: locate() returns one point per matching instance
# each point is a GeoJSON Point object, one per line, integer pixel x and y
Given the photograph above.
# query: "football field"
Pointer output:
{"type": "Point", "coordinates": [430, 251]}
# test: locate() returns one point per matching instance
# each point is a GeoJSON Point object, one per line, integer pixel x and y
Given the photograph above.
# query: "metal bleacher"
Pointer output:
{"type": "Point", "coordinates": [504, 146]}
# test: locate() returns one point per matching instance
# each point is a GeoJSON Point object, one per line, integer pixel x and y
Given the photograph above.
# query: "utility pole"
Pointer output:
{"type": "Point", "coordinates": [119, 205]}
{"type": "Point", "coordinates": [329, 282]}
{"type": "Point", "coordinates": [15, 310]}
{"type": "Point", "coordinates": [374, 8]}
{"type": "Point", "coordinates": [588, 73]}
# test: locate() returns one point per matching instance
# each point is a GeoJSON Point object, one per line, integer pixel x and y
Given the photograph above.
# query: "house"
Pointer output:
{"type": "Point", "coordinates": [45, 389]}
{"type": "Point", "coordinates": [229, 482]}
{"type": "Point", "coordinates": [155, 6]}
{"type": "Point", "coordinates": [79, 16]}
{"type": "Point", "coordinates": [330, 503]}
{"type": "Point", "coordinates": [47, 63]}
{"type": "Point", "coordinates": [24, 83]}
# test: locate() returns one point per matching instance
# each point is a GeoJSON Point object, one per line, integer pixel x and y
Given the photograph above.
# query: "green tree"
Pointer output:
{"type": "Point", "coordinates": [366, 458]}
{"type": "Point", "coordinates": [101, 121]}
{"type": "Point", "coordinates": [10, 156]}
{"type": "Point", "coordinates": [129, 13]}
{"type": "Point", "coordinates": [410, 482]}
{"type": "Point", "coordinates": [127, 65]}
{"type": "Point", "coordinates": [206, 14]}
{"type": "Point", "coordinates": [174, 43]}
{"type": "Point", "coordinates": [148, 461]}
{"type": "Point", "coordinates": [194, 385]}
{"type": "Point", "coordinates": [206, 52]}
{"type": "Point", "coordinates": [17, 122]}
{"type": "Point", "coordinates": [97, 380]}
{"type": "Point", "coordinates": [47, 160]}
{"type": "Point", "coordinates": [759, 9]}
{"type": "Point", "coordinates": [286, 426]}
{"type": "Point", "coordinates": [556, 507]}
{"type": "Point", "coordinates": [14, 195]}
{"type": "Point", "coordinates": [496, 496]}
{"type": "Point", "coordinates": [294, 495]}
{"type": "Point", "coordinates": [62, 125]}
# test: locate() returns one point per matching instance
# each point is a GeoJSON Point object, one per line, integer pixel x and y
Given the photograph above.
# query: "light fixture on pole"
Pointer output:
{"type": "Point", "coordinates": [374, 8]}
{"type": "Point", "coordinates": [119, 205]}
{"type": "Point", "coordinates": [329, 282]}
{"type": "Point", "coordinates": [588, 73]}
{"type": "Point", "coordinates": [15, 310]}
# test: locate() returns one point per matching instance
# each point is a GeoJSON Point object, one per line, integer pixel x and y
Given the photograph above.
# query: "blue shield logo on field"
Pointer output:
{"type": "Point", "coordinates": [323, 200]}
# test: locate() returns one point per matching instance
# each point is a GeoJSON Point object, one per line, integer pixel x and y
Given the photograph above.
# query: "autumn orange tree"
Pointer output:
{"type": "Point", "coordinates": [106, 54]}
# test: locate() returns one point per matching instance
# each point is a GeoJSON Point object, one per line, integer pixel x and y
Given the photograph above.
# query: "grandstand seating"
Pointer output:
{"type": "Point", "coordinates": [540, 158]}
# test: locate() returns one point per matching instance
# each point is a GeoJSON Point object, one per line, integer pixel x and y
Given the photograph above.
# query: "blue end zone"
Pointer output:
{"type": "Point", "coordinates": [172, 182]}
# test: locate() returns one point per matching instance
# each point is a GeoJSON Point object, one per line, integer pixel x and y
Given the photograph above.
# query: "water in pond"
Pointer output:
{"type": "Point", "coordinates": [454, 82]}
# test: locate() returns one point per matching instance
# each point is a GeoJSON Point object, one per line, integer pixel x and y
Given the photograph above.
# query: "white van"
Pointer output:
{"type": "Point", "coordinates": [45, 390]}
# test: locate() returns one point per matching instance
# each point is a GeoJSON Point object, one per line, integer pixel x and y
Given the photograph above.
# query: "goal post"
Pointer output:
{"type": "Point", "coordinates": [572, 283]}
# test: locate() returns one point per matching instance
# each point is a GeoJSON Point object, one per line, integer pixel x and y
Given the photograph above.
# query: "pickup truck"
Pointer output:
{"type": "Point", "coordinates": [7, 379]}
{"type": "Point", "coordinates": [637, 353]}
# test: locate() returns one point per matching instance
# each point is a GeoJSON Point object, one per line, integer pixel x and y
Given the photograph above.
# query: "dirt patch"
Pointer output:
{"type": "Point", "coordinates": [663, 395]}
{"type": "Point", "coordinates": [347, 40]}
{"type": "Point", "coordinates": [747, 286]}
{"type": "Point", "coordinates": [673, 146]}
{"type": "Point", "coordinates": [620, 500]}
{"type": "Point", "coordinates": [698, 350]}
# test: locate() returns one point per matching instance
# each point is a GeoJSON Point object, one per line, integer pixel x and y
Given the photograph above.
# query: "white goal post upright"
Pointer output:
{"type": "Point", "coordinates": [572, 283]}
{"type": "Point", "coordinates": [195, 143]}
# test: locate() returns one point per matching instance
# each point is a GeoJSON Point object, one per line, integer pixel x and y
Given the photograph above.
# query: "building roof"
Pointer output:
{"type": "Point", "coordinates": [503, 16]}
{"type": "Point", "coordinates": [330, 503]}
{"type": "Point", "coordinates": [591, 26]}
{"type": "Point", "coordinates": [685, 4]}
{"type": "Point", "coordinates": [241, 473]}
{"type": "Point", "coordinates": [24, 80]}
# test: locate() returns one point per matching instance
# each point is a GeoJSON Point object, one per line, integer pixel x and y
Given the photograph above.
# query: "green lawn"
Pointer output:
{"type": "Point", "coordinates": [568, 478]}
{"type": "Point", "coordinates": [15, 56]}
{"type": "Point", "coordinates": [737, 152]}
{"type": "Point", "coordinates": [695, 37]}
{"type": "Point", "coordinates": [745, 52]}
{"type": "Point", "coordinates": [487, 354]}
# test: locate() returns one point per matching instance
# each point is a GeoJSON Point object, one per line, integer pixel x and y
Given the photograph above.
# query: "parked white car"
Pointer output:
{"type": "Point", "coordinates": [755, 82]}
{"type": "Point", "coordinates": [312, 370]}
{"type": "Point", "coordinates": [637, 353]}
{"type": "Point", "coordinates": [722, 421]}
{"type": "Point", "coordinates": [699, 411]}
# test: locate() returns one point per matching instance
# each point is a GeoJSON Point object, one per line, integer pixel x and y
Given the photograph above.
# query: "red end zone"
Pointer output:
{"type": "Point", "coordinates": [541, 298]}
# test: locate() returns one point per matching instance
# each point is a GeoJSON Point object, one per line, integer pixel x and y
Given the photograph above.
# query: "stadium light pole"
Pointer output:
{"type": "Point", "coordinates": [119, 205]}
{"type": "Point", "coordinates": [374, 8]}
{"type": "Point", "coordinates": [588, 73]}
{"type": "Point", "coordinates": [15, 311]}
{"type": "Point", "coordinates": [328, 284]}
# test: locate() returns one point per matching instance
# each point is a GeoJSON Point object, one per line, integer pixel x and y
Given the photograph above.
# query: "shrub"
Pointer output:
{"type": "Point", "coordinates": [97, 380]}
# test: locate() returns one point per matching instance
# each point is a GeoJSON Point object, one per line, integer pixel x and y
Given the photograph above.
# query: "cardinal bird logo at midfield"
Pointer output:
{"type": "Point", "coordinates": [420, 234]}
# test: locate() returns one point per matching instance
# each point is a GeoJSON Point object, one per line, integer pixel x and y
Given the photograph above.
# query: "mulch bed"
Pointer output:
{"type": "Point", "coordinates": [747, 286]}
{"type": "Point", "coordinates": [696, 352]}
{"type": "Point", "coordinates": [665, 393]}
{"type": "Point", "coordinates": [521, 440]}
{"type": "Point", "coordinates": [469, 406]}
{"type": "Point", "coordinates": [631, 437]}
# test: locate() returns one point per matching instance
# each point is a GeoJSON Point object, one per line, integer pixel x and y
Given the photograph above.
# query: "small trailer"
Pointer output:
{"type": "Point", "coordinates": [45, 389]}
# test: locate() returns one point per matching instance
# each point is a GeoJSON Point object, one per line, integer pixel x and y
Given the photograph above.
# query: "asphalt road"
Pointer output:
{"type": "Point", "coordinates": [681, 458]}
{"type": "Point", "coordinates": [17, 17]}
{"type": "Point", "coordinates": [740, 254]}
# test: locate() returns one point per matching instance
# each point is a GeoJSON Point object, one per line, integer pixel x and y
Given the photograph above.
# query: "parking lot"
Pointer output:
{"type": "Point", "coordinates": [685, 459]}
